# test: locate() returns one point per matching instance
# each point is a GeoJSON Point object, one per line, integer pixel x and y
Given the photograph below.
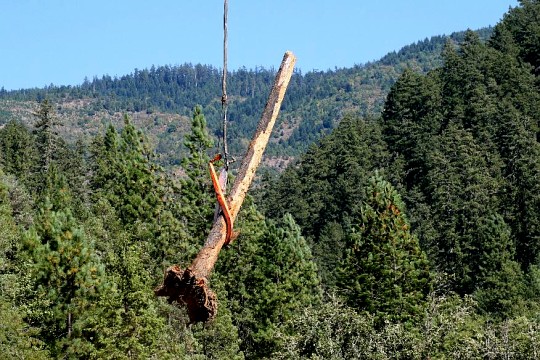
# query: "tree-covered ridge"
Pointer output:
{"type": "Point", "coordinates": [460, 143]}
{"type": "Point", "coordinates": [409, 235]}
{"type": "Point", "coordinates": [85, 238]}
{"type": "Point", "coordinates": [315, 104]}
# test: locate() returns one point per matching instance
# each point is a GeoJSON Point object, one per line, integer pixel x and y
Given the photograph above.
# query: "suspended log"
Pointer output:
{"type": "Point", "coordinates": [190, 287]}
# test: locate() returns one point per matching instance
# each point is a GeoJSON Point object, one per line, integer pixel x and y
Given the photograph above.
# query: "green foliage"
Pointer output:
{"type": "Point", "coordinates": [329, 331]}
{"type": "Point", "coordinates": [54, 154]}
{"type": "Point", "coordinates": [520, 26]}
{"type": "Point", "coordinates": [124, 175]}
{"type": "Point", "coordinates": [67, 275]}
{"type": "Point", "coordinates": [17, 339]}
{"type": "Point", "coordinates": [463, 142]}
{"type": "Point", "coordinates": [46, 123]}
{"type": "Point", "coordinates": [449, 329]}
{"type": "Point", "coordinates": [269, 277]}
{"type": "Point", "coordinates": [384, 272]}
{"type": "Point", "coordinates": [459, 143]}
{"type": "Point", "coordinates": [313, 106]}
{"type": "Point", "coordinates": [285, 273]}
{"type": "Point", "coordinates": [9, 233]}
{"type": "Point", "coordinates": [140, 193]}
{"type": "Point", "coordinates": [462, 188]}
{"type": "Point", "coordinates": [127, 323]}
{"type": "Point", "coordinates": [467, 173]}
{"type": "Point", "coordinates": [220, 338]}
{"type": "Point", "coordinates": [196, 189]}
{"type": "Point", "coordinates": [36, 158]}
{"type": "Point", "coordinates": [18, 149]}
{"type": "Point", "coordinates": [322, 191]}
{"type": "Point", "coordinates": [502, 290]}
{"type": "Point", "coordinates": [521, 151]}
{"type": "Point", "coordinates": [411, 118]}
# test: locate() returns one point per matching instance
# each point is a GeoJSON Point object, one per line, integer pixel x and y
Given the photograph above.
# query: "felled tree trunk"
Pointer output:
{"type": "Point", "coordinates": [190, 286]}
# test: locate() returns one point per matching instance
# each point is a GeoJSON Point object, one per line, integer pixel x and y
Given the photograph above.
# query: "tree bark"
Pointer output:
{"type": "Point", "coordinates": [190, 287]}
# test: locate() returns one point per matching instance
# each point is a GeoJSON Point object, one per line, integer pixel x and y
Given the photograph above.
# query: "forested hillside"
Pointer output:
{"type": "Point", "coordinates": [448, 178]}
{"type": "Point", "coordinates": [160, 100]}
{"type": "Point", "coordinates": [409, 230]}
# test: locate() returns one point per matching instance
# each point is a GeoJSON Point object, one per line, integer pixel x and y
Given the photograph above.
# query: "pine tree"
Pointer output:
{"type": "Point", "coordinates": [9, 235]}
{"type": "Point", "coordinates": [269, 277]}
{"type": "Point", "coordinates": [75, 169]}
{"type": "Point", "coordinates": [128, 323]}
{"type": "Point", "coordinates": [47, 134]}
{"type": "Point", "coordinates": [18, 149]}
{"type": "Point", "coordinates": [321, 191]}
{"type": "Point", "coordinates": [15, 214]}
{"type": "Point", "coordinates": [55, 158]}
{"type": "Point", "coordinates": [520, 151]}
{"type": "Point", "coordinates": [411, 116]}
{"type": "Point", "coordinates": [385, 272]}
{"type": "Point", "coordinates": [462, 188]}
{"type": "Point", "coordinates": [475, 166]}
{"type": "Point", "coordinates": [124, 174]}
{"type": "Point", "coordinates": [521, 24]}
{"type": "Point", "coordinates": [17, 338]}
{"type": "Point", "coordinates": [499, 279]}
{"type": "Point", "coordinates": [197, 194]}
{"type": "Point", "coordinates": [68, 276]}
{"type": "Point", "coordinates": [138, 190]}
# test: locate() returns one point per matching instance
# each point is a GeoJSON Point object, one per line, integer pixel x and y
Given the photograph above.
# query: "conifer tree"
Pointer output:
{"type": "Point", "coordinates": [412, 115]}
{"type": "Point", "coordinates": [124, 174]}
{"type": "Point", "coordinates": [55, 157]}
{"type": "Point", "coordinates": [18, 151]}
{"type": "Point", "coordinates": [490, 96]}
{"type": "Point", "coordinates": [9, 244]}
{"type": "Point", "coordinates": [321, 191]}
{"type": "Point", "coordinates": [17, 338]}
{"type": "Point", "coordinates": [46, 130]}
{"type": "Point", "coordinates": [498, 278]}
{"type": "Point", "coordinates": [462, 188]}
{"type": "Point", "coordinates": [129, 320]}
{"type": "Point", "coordinates": [140, 193]}
{"type": "Point", "coordinates": [68, 276]}
{"type": "Point", "coordinates": [269, 276]}
{"type": "Point", "coordinates": [521, 25]}
{"type": "Point", "coordinates": [128, 323]}
{"type": "Point", "coordinates": [521, 152]}
{"type": "Point", "coordinates": [197, 194]}
{"type": "Point", "coordinates": [75, 169]}
{"type": "Point", "coordinates": [15, 215]}
{"type": "Point", "coordinates": [385, 272]}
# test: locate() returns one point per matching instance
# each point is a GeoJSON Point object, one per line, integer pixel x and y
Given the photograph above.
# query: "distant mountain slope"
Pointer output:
{"type": "Point", "coordinates": [160, 99]}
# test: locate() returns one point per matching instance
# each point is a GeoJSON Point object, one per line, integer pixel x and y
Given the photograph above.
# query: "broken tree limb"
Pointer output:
{"type": "Point", "coordinates": [190, 287]}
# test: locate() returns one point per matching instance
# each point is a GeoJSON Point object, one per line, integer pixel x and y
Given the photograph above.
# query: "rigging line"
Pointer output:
{"type": "Point", "coordinates": [224, 100]}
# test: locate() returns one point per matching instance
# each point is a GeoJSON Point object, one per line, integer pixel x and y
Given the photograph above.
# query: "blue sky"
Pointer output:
{"type": "Point", "coordinates": [64, 41]}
